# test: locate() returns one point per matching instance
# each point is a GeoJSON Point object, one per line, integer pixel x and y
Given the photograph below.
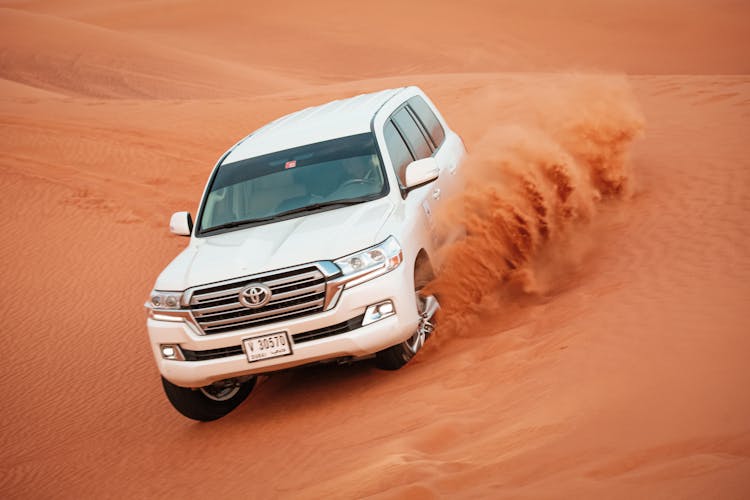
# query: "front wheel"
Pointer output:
{"type": "Point", "coordinates": [210, 402]}
{"type": "Point", "coordinates": [396, 356]}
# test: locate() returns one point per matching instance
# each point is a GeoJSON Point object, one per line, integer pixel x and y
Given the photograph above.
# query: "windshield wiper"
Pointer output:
{"type": "Point", "coordinates": [307, 208]}
{"type": "Point", "coordinates": [316, 206]}
{"type": "Point", "coordinates": [236, 223]}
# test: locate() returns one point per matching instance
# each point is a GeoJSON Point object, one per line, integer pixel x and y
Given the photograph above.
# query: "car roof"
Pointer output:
{"type": "Point", "coordinates": [340, 118]}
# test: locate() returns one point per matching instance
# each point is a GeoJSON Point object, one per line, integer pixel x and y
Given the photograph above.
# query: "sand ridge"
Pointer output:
{"type": "Point", "coordinates": [622, 373]}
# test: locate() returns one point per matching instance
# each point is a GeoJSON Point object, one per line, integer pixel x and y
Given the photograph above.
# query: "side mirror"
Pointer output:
{"type": "Point", "coordinates": [421, 172]}
{"type": "Point", "coordinates": [181, 223]}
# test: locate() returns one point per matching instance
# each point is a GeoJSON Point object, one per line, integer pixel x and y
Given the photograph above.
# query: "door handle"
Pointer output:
{"type": "Point", "coordinates": [436, 193]}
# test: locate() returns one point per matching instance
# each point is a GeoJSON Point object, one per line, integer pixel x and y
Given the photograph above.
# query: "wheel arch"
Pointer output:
{"type": "Point", "coordinates": [424, 271]}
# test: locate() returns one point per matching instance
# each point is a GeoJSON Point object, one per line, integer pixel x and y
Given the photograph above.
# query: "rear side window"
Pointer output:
{"type": "Point", "coordinates": [397, 150]}
{"type": "Point", "coordinates": [428, 119]}
{"type": "Point", "coordinates": [412, 134]}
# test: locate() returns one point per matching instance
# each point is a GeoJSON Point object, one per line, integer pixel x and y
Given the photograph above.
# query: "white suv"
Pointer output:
{"type": "Point", "coordinates": [312, 242]}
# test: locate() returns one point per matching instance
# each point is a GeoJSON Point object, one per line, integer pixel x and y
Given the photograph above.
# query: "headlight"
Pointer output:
{"type": "Point", "coordinates": [370, 263]}
{"type": "Point", "coordinates": [165, 300]}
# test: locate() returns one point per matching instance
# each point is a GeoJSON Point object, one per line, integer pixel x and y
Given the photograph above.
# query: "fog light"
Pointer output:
{"type": "Point", "coordinates": [378, 311]}
{"type": "Point", "coordinates": [385, 308]}
{"type": "Point", "coordinates": [171, 351]}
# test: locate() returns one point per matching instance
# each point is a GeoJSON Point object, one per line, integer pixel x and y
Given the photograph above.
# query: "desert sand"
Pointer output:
{"type": "Point", "coordinates": [600, 347]}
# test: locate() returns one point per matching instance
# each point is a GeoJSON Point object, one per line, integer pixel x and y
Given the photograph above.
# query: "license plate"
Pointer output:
{"type": "Point", "coordinates": [272, 345]}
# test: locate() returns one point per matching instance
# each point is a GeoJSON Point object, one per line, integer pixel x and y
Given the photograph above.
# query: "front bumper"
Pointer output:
{"type": "Point", "coordinates": [396, 286]}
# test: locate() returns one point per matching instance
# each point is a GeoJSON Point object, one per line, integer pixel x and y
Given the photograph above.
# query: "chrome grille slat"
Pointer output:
{"type": "Point", "coordinates": [277, 299]}
{"type": "Point", "coordinates": [223, 294]}
{"type": "Point", "coordinates": [295, 292]}
{"type": "Point", "coordinates": [275, 312]}
{"type": "Point", "coordinates": [218, 310]}
{"type": "Point", "coordinates": [317, 288]}
{"type": "Point", "coordinates": [293, 279]}
{"type": "Point", "coordinates": [245, 324]}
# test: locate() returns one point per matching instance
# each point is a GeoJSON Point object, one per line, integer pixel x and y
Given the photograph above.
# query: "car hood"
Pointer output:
{"type": "Point", "coordinates": [319, 236]}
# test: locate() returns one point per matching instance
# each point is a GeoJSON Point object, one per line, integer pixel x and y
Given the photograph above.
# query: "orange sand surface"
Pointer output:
{"type": "Point", "coordinates": [599, 349]}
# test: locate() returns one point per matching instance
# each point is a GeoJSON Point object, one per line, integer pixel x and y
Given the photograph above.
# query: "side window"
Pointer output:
{"type": "Point", "coordinates": [412, 134]}
{"type": "Point", "coordinates": [428, 119]}
{"type": "Point", "coordinates": [397, 150]}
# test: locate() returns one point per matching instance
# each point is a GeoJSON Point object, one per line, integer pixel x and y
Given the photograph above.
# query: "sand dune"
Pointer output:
{"type": "Point", "coordinates": [610, 362]}
{"type": "Point", "coordinates": [80, 59]}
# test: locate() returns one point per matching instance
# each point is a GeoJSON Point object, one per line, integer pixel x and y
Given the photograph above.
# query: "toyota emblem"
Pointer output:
{"type": "Point", "coordinates": [255, 295]}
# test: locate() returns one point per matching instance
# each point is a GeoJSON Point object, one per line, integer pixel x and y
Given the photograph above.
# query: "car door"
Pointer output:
{"type": "Point", "coordinates": [404, 136]}
{"type": "Point", "coordinates": [445, 156]}
{"type": "Point", "coordinates": [417, 141]}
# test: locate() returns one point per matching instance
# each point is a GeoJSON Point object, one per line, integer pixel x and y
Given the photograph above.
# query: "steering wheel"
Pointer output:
{"type": "Point", "coordinates": [367, 179]}
{"type": "Point", "coordinates": [351, 182]}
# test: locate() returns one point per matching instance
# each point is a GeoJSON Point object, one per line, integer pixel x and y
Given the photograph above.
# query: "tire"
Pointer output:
{"type": "Point", "coordinates": [395, 357]}
{"type": "Point", "coordinates": [208, 403]}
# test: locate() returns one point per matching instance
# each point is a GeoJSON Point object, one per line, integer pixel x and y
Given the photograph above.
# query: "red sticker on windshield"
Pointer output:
{"type": "Point", "coordinates": [290, 164]}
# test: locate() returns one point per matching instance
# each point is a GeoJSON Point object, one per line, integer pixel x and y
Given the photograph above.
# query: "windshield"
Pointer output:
{"type": "Point", "coordinates": [287, 183]}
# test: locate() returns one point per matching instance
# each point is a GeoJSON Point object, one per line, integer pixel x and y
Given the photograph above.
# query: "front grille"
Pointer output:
{"type": "Point", "coordinates": [294, 293]}
{"type": "Point", "coordinates": [328, 331]}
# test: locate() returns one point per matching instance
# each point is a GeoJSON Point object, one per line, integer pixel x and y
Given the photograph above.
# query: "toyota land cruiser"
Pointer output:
{"type": "Point", "coordinates": [312, 242]}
